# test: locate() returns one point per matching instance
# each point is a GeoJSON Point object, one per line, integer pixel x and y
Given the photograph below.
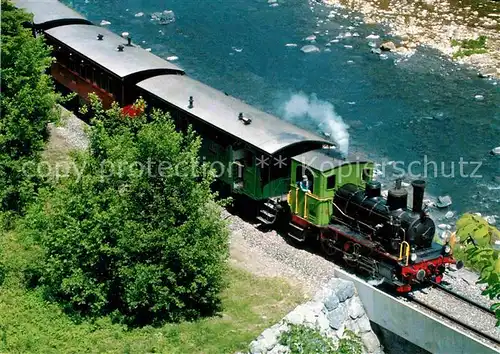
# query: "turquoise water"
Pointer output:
{"type": "Point", "coordinates": [422, 108]}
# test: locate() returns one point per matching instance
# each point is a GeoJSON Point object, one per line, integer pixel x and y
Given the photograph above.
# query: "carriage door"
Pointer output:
{"type": "Point", "coordinates": [243, 172]}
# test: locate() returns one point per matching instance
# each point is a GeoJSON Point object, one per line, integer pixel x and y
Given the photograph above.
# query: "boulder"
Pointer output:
{"type": "Point", "coordinates": [490, 219]}
{"type": "Point", "coordinates": [337, 317]}
{"type": "Point", "coordinates": [280, 349]}
{"type": "Point", "coordinates": [352, 326]}
{"type": "Point", "coordinates": [388, 46]}
{"type": "Point", "coordinates": [443, 201]}
{"type": "Point", "coordinates": [323, 324]}
{"type": "Point", "coordinates": [486, 73]}
{"type": "Point", "coordinates": [495, 151]}
{"type": "Point", "coordinates": [364, 324]}
{"type": "Point", "coordinates": [309, 49]}
{"type": "Point", "coordinates": [371, 342]}
{"type": "Point", "coordinates": [356, 309]}
{"type": "Point", "coordinates": [332, 302]}
{"type": "Point", "coordinates": [344, 290]}
{"type": "Point", "coordinates": [294, 317]}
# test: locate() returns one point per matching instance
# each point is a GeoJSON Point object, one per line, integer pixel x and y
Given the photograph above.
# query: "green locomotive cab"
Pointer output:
{"type": "Point", "coordinates": [315, 177]}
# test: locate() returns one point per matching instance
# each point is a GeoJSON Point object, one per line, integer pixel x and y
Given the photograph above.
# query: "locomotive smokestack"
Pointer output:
{"type": "Point", "coordinates": [397, 197]}
{"type": "Point", "coordinates": [418, 195]}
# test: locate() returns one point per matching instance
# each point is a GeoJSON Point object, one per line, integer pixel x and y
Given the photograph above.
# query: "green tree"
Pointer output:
{"type": "Point", "coordinates": [27, 105]}
{"type": "Point", "coordinates": [477, 236]}
{"type": "Point", "coordinates": [136, 233]}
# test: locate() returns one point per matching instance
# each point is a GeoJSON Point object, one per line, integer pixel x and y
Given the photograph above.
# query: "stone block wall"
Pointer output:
{"type": "Point", "coordinates": [335, 308]}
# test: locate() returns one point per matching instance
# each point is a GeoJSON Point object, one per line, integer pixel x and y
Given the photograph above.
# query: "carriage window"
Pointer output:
{"type": "Point", "coordinates": [71, 63]}
{"type": "Point", "coordinates": [111, 85]}
{"type": "Point", "coordinates": [105, 82]}
{"type": "Point", "coordinates": [330, 182]}
{"type": "Point", "coordinates": [81, 68]}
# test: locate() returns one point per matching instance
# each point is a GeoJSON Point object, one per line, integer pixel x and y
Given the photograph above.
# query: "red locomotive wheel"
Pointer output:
{"type": "Point", "coordinates": [351, 253]}
{"type": "Point", "coordinates": [329, 243]}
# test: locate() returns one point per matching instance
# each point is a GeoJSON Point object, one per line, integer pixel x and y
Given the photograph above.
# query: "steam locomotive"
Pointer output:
{"type": "Point", "coordinates": [378, 236]}
{"type": "Point", "coordinates": [289, 174]}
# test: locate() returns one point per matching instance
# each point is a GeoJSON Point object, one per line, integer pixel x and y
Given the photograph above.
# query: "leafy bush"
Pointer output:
{"type": "Point", "coordinates": [470, 46]}
{"type": "Point", "coordinates": [136, 233]}
{"type": "Point", "coordinates": [478, 43]}
{"type": "Point", "coordinates": [476, 227]}
{"type": "Point", "coordinates": [27, 105]}
{"type": "Point", "coordinates": [477, 237]}
{"type": "Point", "coordinates": [304, 340]}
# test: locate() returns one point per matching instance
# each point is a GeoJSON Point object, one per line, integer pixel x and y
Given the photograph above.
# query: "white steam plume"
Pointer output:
{"type": "Point", "coordinates": [322, 113]}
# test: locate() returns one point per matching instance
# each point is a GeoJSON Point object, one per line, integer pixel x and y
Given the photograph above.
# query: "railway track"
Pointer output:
{"type": "Point", "coordinates": [463, 298]}
{"type": "Point", "coordinates": [475, 318]}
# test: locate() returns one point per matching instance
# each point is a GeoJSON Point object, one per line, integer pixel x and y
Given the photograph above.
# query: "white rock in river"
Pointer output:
{"type": "Point", "coordinates": [172, 58]}
{"type": "Point", "coordinates": [449, 215]}
{"type": "Point", "coordinates": [490, 219]}
{"type": "Point", "coordinates": [139, 14]}
{"type": "Point", "coordinates": [290, 45]}
{"type": "Point", "coordinates": [373, 36]}
{"type": "Point", "coordinates": [444, 227]}
{"type": "Point", "coordinates": [312, 37]}
{"type": "Point", "coordinates": [104, 23]}
{"type": "Point", "coordinates": [496, 151]}
{"type": "Point", "coordinates": [309, 48]}
{"type": "Point", "coordinates": [479, 97]}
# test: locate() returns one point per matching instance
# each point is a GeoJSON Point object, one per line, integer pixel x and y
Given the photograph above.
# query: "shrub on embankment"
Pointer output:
{"type": "Point", "coordinates": [477, 238]}
{"type": "Point", "coordinates": [123, 236]}
{"type": "Point", "coordinates": [27, 101]}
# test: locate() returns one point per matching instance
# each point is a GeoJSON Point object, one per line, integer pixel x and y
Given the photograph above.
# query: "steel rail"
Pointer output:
{"type": "Point", "coordinates": [453, 319]}
{"type": "Point", "coordinates": [463, 298]}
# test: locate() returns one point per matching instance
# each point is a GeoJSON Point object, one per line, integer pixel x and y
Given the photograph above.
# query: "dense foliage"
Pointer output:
{"type": "Point", "coordinates": [470, 46]}
{"type": "Point", "coordinates": [477, 237]}
{"type": "Point", "coordinates": [302, 339]}
{"type": "Point", "coordinates": [136, 232]}
{"type": "Point", "coordinates": [27, 105]}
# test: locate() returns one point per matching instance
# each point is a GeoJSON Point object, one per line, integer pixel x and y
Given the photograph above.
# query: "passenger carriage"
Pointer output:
{"type": "Point", "coordinates": [92, 59]}
{"type": "Point", "coordinates": [251, 150]}
{"type": "Point", "coordinates": [48, 14]}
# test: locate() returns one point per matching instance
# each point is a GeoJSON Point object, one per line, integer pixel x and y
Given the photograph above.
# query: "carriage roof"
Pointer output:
{"type": "Point", "coordinates": [321, 161]}
{"type": "Point", "coordinates": [265, 132]}
{"type": "Point", "coordinates": [50, 13]}
{"type": "Point", "coordinates": [132, 60]}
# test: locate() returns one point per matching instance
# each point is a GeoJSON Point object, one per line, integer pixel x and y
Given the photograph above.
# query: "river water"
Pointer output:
{"type": "Point", "coordinates": [421, 114]}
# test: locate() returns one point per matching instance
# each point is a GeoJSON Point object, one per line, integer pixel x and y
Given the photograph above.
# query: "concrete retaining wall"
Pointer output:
{"type": "Point", "coordinates": [412, 324]}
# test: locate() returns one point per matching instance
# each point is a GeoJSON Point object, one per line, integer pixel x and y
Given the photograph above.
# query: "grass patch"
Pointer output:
{"type": "Point", "coordinates": [28, 324]}
{"type": "Point", "coordinates": [470, 46]}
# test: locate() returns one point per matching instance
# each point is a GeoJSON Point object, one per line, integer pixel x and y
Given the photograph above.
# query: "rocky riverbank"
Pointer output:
{"type": "Point", "coordinates": [439, 24]}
